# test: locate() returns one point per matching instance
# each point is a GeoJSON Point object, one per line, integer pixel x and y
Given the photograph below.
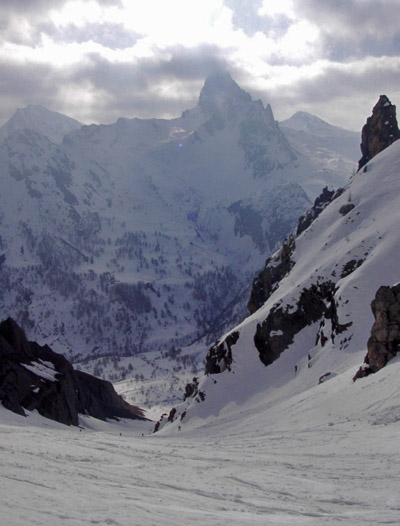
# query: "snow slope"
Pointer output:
{"type": "Point", "coordinates": [330, 147]}
{"type": "Point", "coordinates": [268, 445]}
{"type": "Point", "coordinates": [357, 252]}
{"type": "Point", "coordinates": [51, 124]}
{"type": "Point", "coordinates": [327, 456]}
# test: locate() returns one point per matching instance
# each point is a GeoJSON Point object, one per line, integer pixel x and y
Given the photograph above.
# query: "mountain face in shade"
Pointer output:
{"type": "Point", "coordinates": [330, 147]}
{"type": "Point", "coordinates": [310, 307]}
{"type": "Point", "coordinates": [221, 96]}
{"type": "Point", "coordinates": [143, 236]}
{"type": "Point", "coordinates": [51, 124]}
{"type": "Point", "coordinates": [380, 130]}
{"type": "Point", "coordinates": [33, 377]}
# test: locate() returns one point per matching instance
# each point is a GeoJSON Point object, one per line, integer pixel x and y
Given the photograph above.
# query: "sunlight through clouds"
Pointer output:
{"type": "Point", "coordinates": [265, 44]}
{"type": "Point", "coordinates": [300, 41]}
{"type": "Point", "coordinates": [80, 13]}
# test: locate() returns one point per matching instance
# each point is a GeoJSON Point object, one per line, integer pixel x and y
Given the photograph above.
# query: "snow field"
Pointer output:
{"type": "Point", "coordinates": [328, 455]}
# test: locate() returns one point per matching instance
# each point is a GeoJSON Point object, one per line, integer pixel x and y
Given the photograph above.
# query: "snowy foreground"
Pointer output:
{"type": "Point", "coordinates": [329, 455]}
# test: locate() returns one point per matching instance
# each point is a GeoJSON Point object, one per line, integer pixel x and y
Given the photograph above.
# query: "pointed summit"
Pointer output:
{"type": "Point", "coordinates": [380, 130]}
{"type": "Point", "coordinates": [221, 94]}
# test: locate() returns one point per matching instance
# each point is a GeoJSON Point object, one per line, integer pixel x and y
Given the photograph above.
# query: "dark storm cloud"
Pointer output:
{"type": "Point", "coordinates": [339, 94]}
{"type": "Point", "coordinates": [120, 89]}
{"type": "Point", "coordinates": [352, 16]}
{"type": "Point", "coordinates": [22, 84]}
{"type": "Point", "coordinates": [128, 88]}
{"type": "Point", "coordinates": [336, 82]}
{"type": "Point", "coordinates": [113, 36]}
{"type": "Point", "coordinates": [354, 28]}
{"type": "Point", "coordinates": [33, 16]}
{"type": "Point", "coordinates": [175, 63]}
{"type": "Point", "coordinates": [32, 7]}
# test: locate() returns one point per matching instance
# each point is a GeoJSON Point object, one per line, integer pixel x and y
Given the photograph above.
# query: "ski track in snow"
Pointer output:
{"type": "Point", "coordinates": [306, 461]}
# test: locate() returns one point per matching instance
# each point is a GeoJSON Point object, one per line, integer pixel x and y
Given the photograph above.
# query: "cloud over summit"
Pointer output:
{"type": "Point", "coordinates": [97, 60]}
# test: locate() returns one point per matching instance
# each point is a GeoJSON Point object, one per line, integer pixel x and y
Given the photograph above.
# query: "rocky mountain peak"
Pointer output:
{"type": "Point", "coordinates": [220, 94]}
{"type": "Point", "coordinates": [380, 130]}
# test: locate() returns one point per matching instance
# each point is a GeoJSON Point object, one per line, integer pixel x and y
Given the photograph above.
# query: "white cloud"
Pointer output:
{"type": "Point", "coordinates": [277, 7]}
{"type": "Point", "coordinates": [153, 55]}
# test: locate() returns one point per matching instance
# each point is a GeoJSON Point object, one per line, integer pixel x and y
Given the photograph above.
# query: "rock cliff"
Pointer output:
{"type": "Point", "coordinates": [33, 377]}
{"type": "Point", "coordinates": [384, 342]}
{"type": "Point", "coordinates": [380, 130]}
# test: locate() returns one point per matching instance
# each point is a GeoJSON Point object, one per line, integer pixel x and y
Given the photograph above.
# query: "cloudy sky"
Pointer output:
{"type": "Point", "coordinates": [97, 60]}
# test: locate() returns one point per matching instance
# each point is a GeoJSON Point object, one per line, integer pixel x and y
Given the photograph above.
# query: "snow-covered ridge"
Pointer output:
{"type": "Point", "coordinates": [51, 124]}
{"type": "Point", "coordinates": [349, 251]}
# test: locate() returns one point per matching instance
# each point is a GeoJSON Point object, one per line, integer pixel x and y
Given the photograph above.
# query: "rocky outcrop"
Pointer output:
{"type": "Point", "coordinates": [380, 130]}
{"type": "Point", "coordinates": [219, 357]}
{"type": "Point", "coordinates": [320, 203]}
{"type": "Point", "coordinates": [281, 263]}
{"type": "Point", "coordinates": [33, 377]}
{"type": "Point", "coordinates": [276, 267]}
{"type": "Point", "coordinates": [276, 333]}
{"type": "Point", "coordinates": [345, 209]}
{"type": "Point", "coordinates": [384, 342]}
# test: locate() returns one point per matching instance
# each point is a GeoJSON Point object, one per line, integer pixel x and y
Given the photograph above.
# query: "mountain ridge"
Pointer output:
{"type": "Point", "coordinates": [49, 123]}
{"type": "Point", "coordinates": [314, 323]}
{"type": "Point", "coordinates": [132, 236]}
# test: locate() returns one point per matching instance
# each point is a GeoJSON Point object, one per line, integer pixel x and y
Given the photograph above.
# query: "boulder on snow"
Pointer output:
{"type": "Point", "coordinates": [33, 377]}
{"type": "Point", "coordinates": [345, 209]}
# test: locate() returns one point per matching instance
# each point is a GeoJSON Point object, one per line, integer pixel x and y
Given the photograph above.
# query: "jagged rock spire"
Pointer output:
{"type": "Point", "coordinates": [220, 93]}
{"type": "Point", "coordinates": [380, 130]}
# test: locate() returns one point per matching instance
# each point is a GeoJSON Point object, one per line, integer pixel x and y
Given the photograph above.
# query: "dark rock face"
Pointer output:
{"type": "Point", "coordinates": [277, 331]}
{"type": "Point", "coordinates": [320, 203]}
{"type": "Point", "coordinates": [248, 222]}
{"type": "Point", "coordinates": [384, 342]}
{"type": "Point", "coordinates": [345, 209]}
{"type": "Point", "coordinates": [220, 95]}
{"type": "Point", "coordinates": [380, 130]}
{"type": "Point", "coordinates": [219, 357]}
{"type": "Point", "coordinates": [276, 267]}
{"type": "Point", "coordinates": [350, 267]}
{"type": "Point", "coordinates": [34, 377]}
{"type": "Point", "coordinates": [279, 265]}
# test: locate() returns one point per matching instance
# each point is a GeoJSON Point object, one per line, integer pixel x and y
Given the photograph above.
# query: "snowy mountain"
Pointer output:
{"type": "Point", "coordinates": [294, 442]}
{"type": "Point", "coordinates": [51, 124]}
{"type": "Point", "coordinates": [330, 147]}
{"type": "Point", "coordinates": [311, 315]}
{"type": "Point", "coordinates": [142, 236]}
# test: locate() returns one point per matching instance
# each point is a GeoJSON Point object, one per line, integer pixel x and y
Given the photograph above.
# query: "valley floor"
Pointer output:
{"type": "Point", "coordinates": [309, 469]}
